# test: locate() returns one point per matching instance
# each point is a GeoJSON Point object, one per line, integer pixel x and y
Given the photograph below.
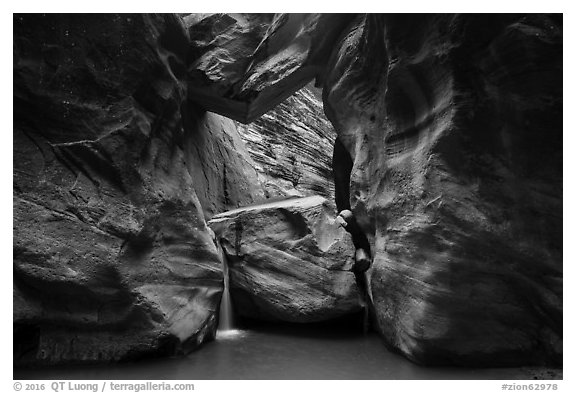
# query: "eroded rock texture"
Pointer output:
{"type": "Point", "coordinates": [448, 152]}
{"type": "Point", "coordinates": [243, 65]}
{"type": "Point", "coordinates": [453, 128]}
{"type": "Point", "coordinates": [288, 261]}
{"type": "Point", "coordinates": [113, 172]}
{"type": "Point", "coordinates": [291, 146]}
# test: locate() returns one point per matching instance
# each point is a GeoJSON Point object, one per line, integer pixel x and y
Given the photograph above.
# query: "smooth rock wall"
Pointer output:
{"type": "Point", "coordinates": [448, 151]}
{"type": "Point", "coordinates": [454, 126]}
{"type": "Point", "coordinates": [114, 172]}
{"type": "Point", "coordinates": [224, 172]}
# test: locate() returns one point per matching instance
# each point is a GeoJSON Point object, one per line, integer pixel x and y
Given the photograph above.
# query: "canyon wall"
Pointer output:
{"type": "Point", "coordinates": [114, 174]}
{"type": "Point", "coordinates": [291, 146]}
{"type": "Point", "coordinates": [454, 127]}
{"type": "Point", "coordinates": [448, 151]}
{"type": "Point", "coordinates": [243, 65]}
{"type": "Point", "coordinates": [256, 69]}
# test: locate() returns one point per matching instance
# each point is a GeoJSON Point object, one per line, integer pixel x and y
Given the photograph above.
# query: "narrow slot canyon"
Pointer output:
{"type": "Point", "coordinates": [287, 196]}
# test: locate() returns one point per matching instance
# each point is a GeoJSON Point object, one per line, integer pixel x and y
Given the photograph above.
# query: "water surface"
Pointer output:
{"type": "Point", "coordinates": [284, 352]}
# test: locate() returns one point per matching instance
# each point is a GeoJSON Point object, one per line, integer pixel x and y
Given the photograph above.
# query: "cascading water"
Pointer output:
{"type": "Point", "coordinates": [226, 318]}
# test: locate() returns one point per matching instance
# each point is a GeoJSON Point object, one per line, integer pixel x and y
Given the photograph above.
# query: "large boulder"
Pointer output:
{"type": "Point", "coordinates": [450, 155]}
{"type": "Point", "coordinates": [288, 261]}
{"type": "Point", "coordinates": [113, 174]}
{"type": "Point", "coordinates": [291, 146]}
{"type": "Point", "coordinates": [242, 65]}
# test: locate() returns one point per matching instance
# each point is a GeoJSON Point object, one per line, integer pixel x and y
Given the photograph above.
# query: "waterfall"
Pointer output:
{"type": "Point", "coordinates": [226, 317]}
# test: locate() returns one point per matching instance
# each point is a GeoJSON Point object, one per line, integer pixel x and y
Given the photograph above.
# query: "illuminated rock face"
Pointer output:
{"type": "Point", "coordinates": [452, 127]}
{"type": "Point", "coordinates": [289, 261]}
{"type": "Point", "coordinates": [291, 146]}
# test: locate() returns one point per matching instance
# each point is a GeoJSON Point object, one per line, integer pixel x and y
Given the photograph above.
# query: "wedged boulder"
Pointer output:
{"type": "Point", "coordinates": [291, 147]}
{"type": "Point", "coordinates": [288, 261]}
{"type": "Point", "coordinates": [243, 65]}
{"type": "Point", "coordinates": [113, 173]}
{"type": "Point", "coordinates": [450, 156]}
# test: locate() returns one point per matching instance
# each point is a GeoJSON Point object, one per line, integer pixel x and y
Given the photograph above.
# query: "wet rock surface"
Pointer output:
{"type": "Point", "coordinates": [288, 261]}
{"type": "Point", "coordinates": [291, 146]}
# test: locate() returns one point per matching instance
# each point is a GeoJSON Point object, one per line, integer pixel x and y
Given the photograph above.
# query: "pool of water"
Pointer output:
{"type": "Point", "coordinates": [280, 352]}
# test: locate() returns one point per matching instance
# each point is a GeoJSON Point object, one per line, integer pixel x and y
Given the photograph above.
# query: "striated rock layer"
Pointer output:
{"type": "Point", "coordinates": [452, 126]}
{"type": "Point", "coordinates": [292, 147]}
{"type": "Point", "coordinates": [288, 261]}
{"type": "Point", "coordinates": [113, 174]}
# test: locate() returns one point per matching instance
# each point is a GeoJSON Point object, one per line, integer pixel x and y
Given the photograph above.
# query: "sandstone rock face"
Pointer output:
{"type": "Point", "coordinates": [292, 147]}
{"type": "Point", "coordinates": [288, 261]}
{"type": "Point", "coordinates": [113, 173]}
{"type": "Point", "coordinates": [223, 171]}
{"type": "Point", "coordinates": [243, 65]}
{"type": "Point", "coordinates": [453, 129]}
{"type": "Point", "coordinates": [448, 151]}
